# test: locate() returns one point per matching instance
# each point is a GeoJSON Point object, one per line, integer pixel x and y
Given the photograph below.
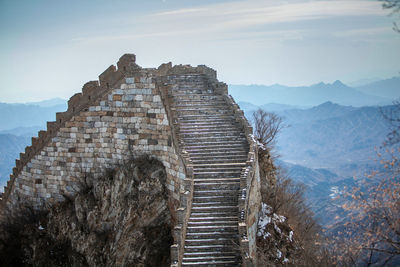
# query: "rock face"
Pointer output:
{"type": "Point", "coordinates": [120, 219]}
{"type": "Point", "coordinates": [275, 239]}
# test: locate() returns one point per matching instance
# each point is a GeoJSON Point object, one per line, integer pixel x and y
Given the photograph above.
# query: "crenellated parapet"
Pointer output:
{"type": "Point", "coordinates": [91, 92]}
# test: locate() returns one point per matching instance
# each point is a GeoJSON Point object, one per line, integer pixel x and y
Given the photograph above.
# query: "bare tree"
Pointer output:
{"type": "Point", "coordinates": [266, 126]}
{"type": "Point", "coordinates": [392, 116]}
{"type": "Point", "coordinates": [394, 6]}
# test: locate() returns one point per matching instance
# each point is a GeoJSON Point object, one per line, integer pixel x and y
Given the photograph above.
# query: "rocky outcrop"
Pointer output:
{"type": "Point", "coordinates": [275, 239]}
{"type": "Point", "coordinates": [120, 219]}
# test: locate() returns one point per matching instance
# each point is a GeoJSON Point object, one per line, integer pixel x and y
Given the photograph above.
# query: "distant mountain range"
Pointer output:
{"type": "Point", "coordinates": [376, 93]}
{"type": "Point", "coordinates": [30, 114]}
{"type": "Point", "coordinates": [338, 138]}
{"type": "Point", "coordinates": [389, 88]}
{"type": "Point", "coordinates": [18, 123]}
{"type": "Point", "coordinates": [10, 147]}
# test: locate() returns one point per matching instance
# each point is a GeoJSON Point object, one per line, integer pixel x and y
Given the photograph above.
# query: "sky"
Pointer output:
{"type": "Point", "coordinates": [51, 48]}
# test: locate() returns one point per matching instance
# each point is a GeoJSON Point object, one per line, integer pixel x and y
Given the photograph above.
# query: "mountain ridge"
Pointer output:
{"type": "Point", "coordinates": [316, 94]}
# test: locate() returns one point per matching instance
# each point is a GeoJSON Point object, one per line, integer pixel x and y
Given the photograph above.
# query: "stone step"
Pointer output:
{"type": "Point", "coordinates": [204, 97]}
{"type": "Point", "coordinates": [182, 111]}
{"type": "Point", "coordinates": [212, 124]}
{"type": "Point", "coordinates": [212, 223]}
{"type": "Point", "coordinates": [201, 199]}
{"type": "Point", "coordinates": [226, 263]}
{"type": "Point", "coordinates": [211, 209]}
{"type": "Point", "coordinates": [193, 83]}
{"type": "Point", "coordinates": [213, 140]}
{"type": "Point", "coordinates": [209, 253]}
{"type": "Point", "coordinates": [215, 203]}
{"type": "Point", "coordinates": [210, 186]}
{"type": "Point", "coordinates": [198, 103]}
{"type": "Point", "coordinates": [212, 234]}
{"type": "Point", "coordinates": [214, 147]}
{"type": "Point", "coordinates": [213, 213]}
{"type": "Point", "coordinates": [219, 153]}
{"type": "Point", "coordinates": [219, 165]}
{"type": "Point", "coordinates": [200, 169]}
{"type": "Point", "coordinates": [221, 150]}
{"type": "Point", "coordinates": [212, 241]}
{"type": "Point", "coordinates": [209, 129]}
{"type": "Point", "coordinates": [205, 117]}
{"type": "Point", "coordinates": [219, 133]}
{"type": "Point", "coordinates": [226, 174]}
{"type": "Point", "coordinates": [211, 160]}
{"type": "Point", "coordinates": [213, 219]}
{"type": "Point", "coordinates": [220, 193]}
{"type": "Point", "coordinates": [216, 180]}
{"type": "Point", "coordinates": [190, 90]}
{"type": "Point", "coordinates": [203, 114]}
{"type": "Point", "coordinates": [210, 259]}
{"type": "Point", "coordinates": [210, 248]}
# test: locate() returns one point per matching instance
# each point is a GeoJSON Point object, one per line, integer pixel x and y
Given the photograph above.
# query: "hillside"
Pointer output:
{"type": "Point", "coordinates": [330, 136]}
{"type": "Point", "coordinates": [341, 143]}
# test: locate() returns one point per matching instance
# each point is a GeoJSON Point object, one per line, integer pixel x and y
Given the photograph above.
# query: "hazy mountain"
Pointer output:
{"type": "Point", "coordinates": [10, 147]}
{"type": "Point", "coordinates": [309, 177]}
{"type": "Point", "coordinates": [341, 139]}
{"type": "Point", "coordinates": [389, 88]}
{"type": "Point", "coordinates": [50, 103]}
{"type": "Point", "coordinates": [18, 123]}
{"type": "Point", "coordinates": [24, 131]}
{"type": "Point", "coordinates": [305, 95]}
{"type": "Point", "coordinates": [324, 111]}
{"type": "Point", "coordinates": [274, 107]}
{"type": "Point", "coordinates": [342, 143]}
{"type": "Point", "coordinates": [363, 82]}
{"type": "Point", "coordinates": [27, 115]}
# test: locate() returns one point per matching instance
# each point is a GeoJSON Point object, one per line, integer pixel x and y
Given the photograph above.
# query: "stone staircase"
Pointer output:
{"type": "Point", "coordinates": [218, 149]}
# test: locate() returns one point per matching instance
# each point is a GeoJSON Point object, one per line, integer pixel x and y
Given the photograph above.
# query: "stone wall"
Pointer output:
{"type": "Point", "coordinates": [108, 123]}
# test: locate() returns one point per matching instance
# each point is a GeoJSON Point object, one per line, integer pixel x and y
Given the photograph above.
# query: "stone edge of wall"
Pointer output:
{"type": "Point", "coordinates": [248, 216]}
{"type": "Point", "coordinates": [92, 91]}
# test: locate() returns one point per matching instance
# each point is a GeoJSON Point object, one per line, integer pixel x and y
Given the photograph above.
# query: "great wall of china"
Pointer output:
{"type": "Point", "coordinates": [184, 117]}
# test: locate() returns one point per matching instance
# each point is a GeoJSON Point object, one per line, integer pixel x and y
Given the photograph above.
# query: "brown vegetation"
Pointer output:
{"type": "Point", "coordinates": [284, 197]}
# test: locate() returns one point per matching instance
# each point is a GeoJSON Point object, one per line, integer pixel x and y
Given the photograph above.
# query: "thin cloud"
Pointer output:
{"type": "Point", "coordinates": [251, 13]}
{"type": "Point", "coordinates": [233, 20]}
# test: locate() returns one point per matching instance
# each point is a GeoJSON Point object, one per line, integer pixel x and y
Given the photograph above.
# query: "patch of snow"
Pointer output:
{"type": "Point", "coordinates": [279, 218]}
{"type": "Point", "coordinates": [277, 229]}
{"type": "Point", "coordinates": [40, 227]}
{"type": "Point", "coordinates": [285, 260]}
{"type": "Point", "coordinates": [335, 191]}
{"type": "Point", "coordinates": [260, 145]}
{"type": "Point", "coordinates": [291, 236]}
{"type": "Point", "coordinates": [278, 253]}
